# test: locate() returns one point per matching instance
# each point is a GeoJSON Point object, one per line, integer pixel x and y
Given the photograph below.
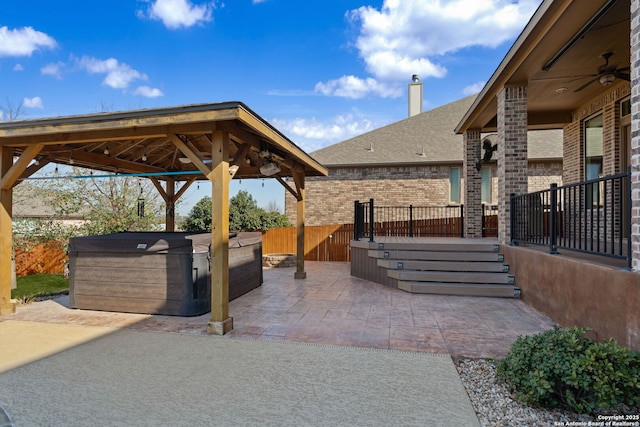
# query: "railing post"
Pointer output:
{"type": "Point", "coordinates": [371, 218]}
{"type": "Point", "coordinates": [461, 220]}
{"type": "Point", "coordinates": [356, 222]}
{"type": "Point", "coordinates": [512, 219]}
{"type": "Point", "coordinates": [410, 220]}
{"type": "Point", "coordinates": [554, 222]}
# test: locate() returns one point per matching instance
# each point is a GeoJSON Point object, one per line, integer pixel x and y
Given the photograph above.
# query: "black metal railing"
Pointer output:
{"type": "Point", "coordinates": [410, 221]}
{"type": "Point", "coordinates": [592, 217]}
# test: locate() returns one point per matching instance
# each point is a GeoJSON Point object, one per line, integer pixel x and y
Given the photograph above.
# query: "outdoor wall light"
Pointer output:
{"type": "Point", "coordinates": [269, 169]}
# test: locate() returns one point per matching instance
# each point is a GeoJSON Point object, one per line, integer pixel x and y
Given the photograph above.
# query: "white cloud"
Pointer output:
{"type": "Point", "coordinates": [473, 88]}
{"type": "Point", "coordinates": [117, 75]}
{"type": "Point", "coordinates": [313, 134]}
{"type": "Point", "coordinates": [356, 88]}
{"type": "Point", "coordinates": [409, 37]}
{"type": "Point", "coordinates": [35, 102]}
{"type": "Point", "coordinates": [18, 67]}
{"type": "Point", "coordinates": [53, 69]}
{"type": "Point", "coordinates": [175, 14]}
{"type": "Point", "coordinates": [148, 92]}
{"type": "Point", "coordinates": [23, 41]}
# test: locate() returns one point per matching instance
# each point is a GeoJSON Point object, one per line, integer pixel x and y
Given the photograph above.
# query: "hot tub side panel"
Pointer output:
{"type": "Point", "coordinates": [245, 269]}
{"type": "Point", "coordinates": [152, 283]}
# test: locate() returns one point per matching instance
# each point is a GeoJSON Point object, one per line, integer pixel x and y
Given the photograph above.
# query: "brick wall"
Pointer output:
{"type": "Point", "coordinates": [573, 148]}
{"type": "Point", "coordinates": [329, 200]}
{"type": "Point", "coordinates": [635, 133]}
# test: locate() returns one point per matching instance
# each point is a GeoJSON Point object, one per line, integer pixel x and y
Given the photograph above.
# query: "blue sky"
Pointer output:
{"type": "Point", "coordinates": [320, 71]}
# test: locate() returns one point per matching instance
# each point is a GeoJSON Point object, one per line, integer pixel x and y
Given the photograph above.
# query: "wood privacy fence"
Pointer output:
{"type": "Point", "coordinates": [48, 257]}
{"type": "Point", "coordinates": [321, 242]}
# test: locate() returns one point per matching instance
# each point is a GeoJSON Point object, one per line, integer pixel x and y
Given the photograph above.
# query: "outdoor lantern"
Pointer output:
{"type": "Point", "coordinates": [140, 207]}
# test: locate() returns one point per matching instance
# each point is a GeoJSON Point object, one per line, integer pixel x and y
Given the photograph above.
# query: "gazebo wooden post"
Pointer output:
{"type": "Point", "coordinates": [220, 322]}
{"type": "Point", "coordinates": [170, 202]}
{"type": "Point", "coordinates": [6, 234]}
{"type": "Point", "coordinates": [298, 177]}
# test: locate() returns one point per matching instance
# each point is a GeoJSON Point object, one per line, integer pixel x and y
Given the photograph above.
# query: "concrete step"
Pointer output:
{"type": "Point", "coordinates": [466, 289]}
{"type": "Point", "coordinates": [451, 277]}
{"type": "Point", "coordinates": [487, 267]}
{"type": "Point", "coordinates": [437, 256]}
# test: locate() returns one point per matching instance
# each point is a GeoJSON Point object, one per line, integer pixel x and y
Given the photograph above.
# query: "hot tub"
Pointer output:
{"type": "Point", "coordinates": [157, 272]}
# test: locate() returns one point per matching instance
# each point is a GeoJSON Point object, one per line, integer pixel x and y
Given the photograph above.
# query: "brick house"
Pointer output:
{"type": "Point", "coordinates": [416, 161]}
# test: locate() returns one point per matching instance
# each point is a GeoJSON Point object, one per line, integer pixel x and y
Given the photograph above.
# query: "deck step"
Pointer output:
{"type": "Point", "coordinates": [452, 276]}
{"type": "Point", "coordinates": [437, 256]}
{"type": "Point", "coordinates": [466, 289]}
{"type": "Point", "coordinates": [487, 267]}
{"type": "Point", "coordinates": [437, 246]}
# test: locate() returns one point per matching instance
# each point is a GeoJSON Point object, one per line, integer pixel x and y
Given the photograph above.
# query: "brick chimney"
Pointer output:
{"type": "Point", "coordinates": [415, 96]}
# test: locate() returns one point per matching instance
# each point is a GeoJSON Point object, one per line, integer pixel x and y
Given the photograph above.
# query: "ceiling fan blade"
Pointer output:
{"type": "Point", "coordinates": [623, 69]}
{"type": "Point", "coordinates": [575, 78]}
{"type": "Point", "coordinates": [622, 76]}
{"type": "Point", "coordinates": [586, 84]}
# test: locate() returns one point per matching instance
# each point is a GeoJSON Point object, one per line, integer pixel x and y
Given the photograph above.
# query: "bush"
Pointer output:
{"type": "Point", "coordinates": [562, 368]}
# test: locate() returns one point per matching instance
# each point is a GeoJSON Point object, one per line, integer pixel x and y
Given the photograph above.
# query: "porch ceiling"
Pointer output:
{"type": "Point", "coordinates": [157, 141]}
{"type": "Point", "coordinates": [561, 47]}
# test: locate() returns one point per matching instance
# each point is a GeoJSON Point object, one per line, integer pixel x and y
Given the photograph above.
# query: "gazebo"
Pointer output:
{"type": "Point", "coordinates": [173, 147]}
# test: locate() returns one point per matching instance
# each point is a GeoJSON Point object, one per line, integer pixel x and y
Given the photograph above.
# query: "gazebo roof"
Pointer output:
{"type": "Point", "coordinates": [172, 140]}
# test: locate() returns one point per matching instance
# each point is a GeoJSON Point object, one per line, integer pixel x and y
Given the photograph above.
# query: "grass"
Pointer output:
{"type": "Point", "coordinates": [39, 285]}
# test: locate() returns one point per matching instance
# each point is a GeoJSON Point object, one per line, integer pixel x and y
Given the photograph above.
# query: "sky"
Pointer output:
{"type": "Point", "coordinates": [320, 71]}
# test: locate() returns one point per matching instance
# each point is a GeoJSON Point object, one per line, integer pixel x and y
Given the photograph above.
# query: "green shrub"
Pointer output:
{"type": "Point", "coordinates": [562, 368]}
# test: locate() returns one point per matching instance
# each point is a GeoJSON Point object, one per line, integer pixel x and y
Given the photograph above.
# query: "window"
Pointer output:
{"type": "Point", "coordinates": [486, 185]}
{"type": "Point", "coordinates": [593, 148]}
{"type": "Point", "coordinates": [625, 107]}
{"type": "Point", "coordinates": [454, 185]}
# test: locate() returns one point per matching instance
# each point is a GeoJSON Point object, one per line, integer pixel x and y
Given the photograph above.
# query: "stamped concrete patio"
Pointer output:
{"type": "Point", "coordinates": [332, 307]}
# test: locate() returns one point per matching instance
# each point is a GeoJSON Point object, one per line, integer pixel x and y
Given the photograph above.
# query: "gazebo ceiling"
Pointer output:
{"type": "Point", "coordinates": [172, 140]}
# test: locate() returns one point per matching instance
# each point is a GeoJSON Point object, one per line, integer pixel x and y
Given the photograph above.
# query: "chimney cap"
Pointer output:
{"type": "Point", "coordinates": [415, 78]}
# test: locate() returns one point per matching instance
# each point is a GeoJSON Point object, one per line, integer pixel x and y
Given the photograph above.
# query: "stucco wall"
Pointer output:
{"type": "Point", "coordinates": [577, 293]}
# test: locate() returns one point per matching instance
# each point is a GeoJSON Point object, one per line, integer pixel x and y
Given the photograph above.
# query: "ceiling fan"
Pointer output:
{"type": "Point", "coordinates": [607, 73]}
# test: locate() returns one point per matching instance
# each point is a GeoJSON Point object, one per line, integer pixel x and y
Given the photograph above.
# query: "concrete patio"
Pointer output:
{"type": "Point", "coordinates": [332, 307]}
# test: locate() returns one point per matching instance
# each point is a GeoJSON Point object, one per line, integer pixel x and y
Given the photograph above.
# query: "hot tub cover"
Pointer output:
{"type": "Point", "coordinates": [140, 242]}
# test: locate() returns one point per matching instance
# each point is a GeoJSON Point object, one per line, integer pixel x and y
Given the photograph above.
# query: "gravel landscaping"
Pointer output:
{"type": "Point", "coordinates": [495, 405]}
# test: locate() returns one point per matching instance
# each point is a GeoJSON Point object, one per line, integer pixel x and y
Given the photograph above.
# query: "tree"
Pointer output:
{"type": "Point", "coordinates": [109, 205]}
{"type": "Point", "coordinates": [199, 219]}
{"type": "Point", "coordinates": [244, 215]}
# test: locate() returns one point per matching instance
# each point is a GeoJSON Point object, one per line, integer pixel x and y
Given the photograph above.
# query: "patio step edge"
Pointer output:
{"type": "Point", "coordinates": [461, 289]}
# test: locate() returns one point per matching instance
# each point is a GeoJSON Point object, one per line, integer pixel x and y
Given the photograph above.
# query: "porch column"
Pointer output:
{"type": "Point", "coordinates": [635, 134]}
{"type": "Point", "coordinates": [472, 185]}
{"type": "Point", "coordinates": [220, 322]}
{"type": "Point", "coordinates": [512, 153]}
{"type": "Point", "coordinates": [6, 237]}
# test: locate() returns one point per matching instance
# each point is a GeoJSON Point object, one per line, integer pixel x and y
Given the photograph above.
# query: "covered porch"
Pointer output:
{"type": "Point", "coordinates": [575, 68]}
